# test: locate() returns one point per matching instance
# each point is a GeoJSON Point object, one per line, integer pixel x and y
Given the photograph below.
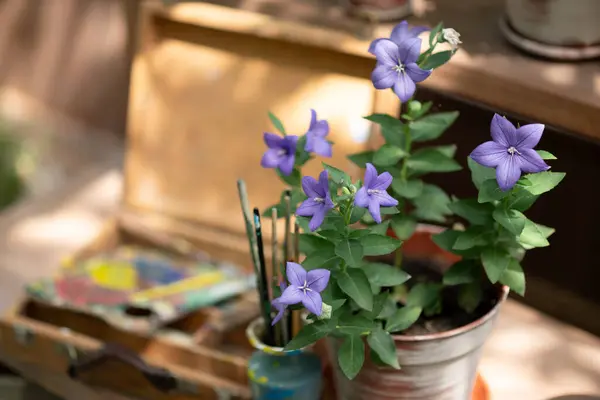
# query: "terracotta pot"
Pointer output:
{"type": "Point", "coordinates": [439, 366]}
{"type": "Point", "coordinates": [379, 10]}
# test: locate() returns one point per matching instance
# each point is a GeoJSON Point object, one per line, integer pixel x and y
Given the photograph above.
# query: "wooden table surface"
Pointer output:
{"type": "Point", "coordinates": [486, 69]}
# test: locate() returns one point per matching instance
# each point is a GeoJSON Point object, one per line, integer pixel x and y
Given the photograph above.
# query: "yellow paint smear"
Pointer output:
{"type": "Point", "coordinates": [185, 285]}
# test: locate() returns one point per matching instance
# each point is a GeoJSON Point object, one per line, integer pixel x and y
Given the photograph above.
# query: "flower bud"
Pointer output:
{"type": "Point", "coordinates": [352, 189]}
{"type": "Point", "coordinates": [345, 190]}
{"type": "Point", "coordinates": [451, 36]}
{"type": "Point", "coordinates": [325, 311]}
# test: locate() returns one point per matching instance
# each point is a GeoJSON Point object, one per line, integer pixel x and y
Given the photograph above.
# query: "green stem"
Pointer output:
{"type": "Point", "coordinates": [429, 52]}
{"type": "Point", "coordinates": [398, 259]}
{"type": "Point", "coordinates": [407, 146]}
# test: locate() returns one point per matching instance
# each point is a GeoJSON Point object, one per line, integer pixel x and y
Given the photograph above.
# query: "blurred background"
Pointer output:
{"type": "Point", "coordinates": [206, 73]}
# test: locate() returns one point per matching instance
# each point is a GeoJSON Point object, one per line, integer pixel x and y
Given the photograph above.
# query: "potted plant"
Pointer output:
{"type": "Point", "coordinates": [400, 329]}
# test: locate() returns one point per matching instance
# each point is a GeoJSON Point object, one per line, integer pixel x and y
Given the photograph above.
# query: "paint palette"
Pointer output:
{"type": "Point", "coordinates": [137, 288]}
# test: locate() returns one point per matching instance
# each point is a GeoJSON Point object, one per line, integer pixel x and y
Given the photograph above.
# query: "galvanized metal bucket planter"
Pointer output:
{"type": "Point", "coordinates": [439, 366]}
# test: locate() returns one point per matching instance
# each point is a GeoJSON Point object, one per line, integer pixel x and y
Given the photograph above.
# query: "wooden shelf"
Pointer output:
{"type": "Point", "coordinates": [486, 69]}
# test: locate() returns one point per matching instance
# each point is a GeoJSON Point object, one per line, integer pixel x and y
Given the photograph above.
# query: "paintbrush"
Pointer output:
{"type": "Point", "coordinates": [263, 297]}
{"type": "Point", "coordinates": [296, 258]}
{"type": "Point", "coordinates": [248, 222]}
{"type": "Point", "coordinates": [275, 276]}
{"type": "Point", "coordinates": [287, 320]}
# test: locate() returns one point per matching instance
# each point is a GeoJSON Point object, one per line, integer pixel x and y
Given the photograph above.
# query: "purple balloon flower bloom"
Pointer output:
{"type": "Point", "coordinates": [397, 67]}
{"type": "Point", "coordinates": [305, 287]}
{"type": "Point", "coordinates": [319, 201]}
{"type": "Point", "coordinates": [315, 137]}
{"type": "Point", "coordinates": [373, 194]}
{"type": "Point", "coordinates": [278, 305]}
{"type": "Point", "coordinates": [281, 153]}
{"type": "Point", "coordinates": [400, 33]}
{"type": "Point", "coordinates": [511, 151]}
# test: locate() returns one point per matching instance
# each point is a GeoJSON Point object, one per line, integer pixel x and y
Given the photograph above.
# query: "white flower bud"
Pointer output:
{"type": "Point", "coordinates": [352, 189]}
{"type": "Point", "coordinates": [325, 311]}
{"type": "Point", "coordinates": [452, 37]}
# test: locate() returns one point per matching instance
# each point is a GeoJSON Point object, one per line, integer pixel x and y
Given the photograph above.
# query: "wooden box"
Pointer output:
{"type": "Point", "coordinates": [203, 80]}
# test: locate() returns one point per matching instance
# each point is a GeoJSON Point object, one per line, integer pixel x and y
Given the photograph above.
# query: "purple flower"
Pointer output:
{"type": "Point", "coordinates": [397, 67]}
{"type": "Point", "coordinates": [281, 153]}
{"type": "Point", "coordinates": [373, 194]}
{"type": "Point", "coordinates": [305, 287]}
{"type": "Point", "coordinates": [511, 151]}
{"type": "Point", "coordinates": [315, 137]}
{"type": "Point", "coordinates": [319, 201]}
{"type": "Point", "coordinates": [400, 33]}
{"type": "Point", "coordinates": [278, 305]}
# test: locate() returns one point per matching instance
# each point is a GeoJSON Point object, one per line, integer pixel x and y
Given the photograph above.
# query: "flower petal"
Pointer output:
{"type": "Point", "coordinates": [318, 217]}
{"type": "Point", "coordinates": [528, 136]}
{"type": "Point", "coordinates": [310, 186]}
{"type": "Point", "coordinates": [323, 187]}
{"type": "Point", "coordinates": [273, 141]}
{"type": "Point", "coordinates": [321, 147]}
{"type": "Point", "coordinates": [382, 182]}
{"type": "Point", "coordinates": [409, 50]}
{"type": "Point", "coordinates": [313, 302]}
{"type": "Point", "coordinates": [383, 76]}
{"type": "Point", "coordinates": [386, 52]}
{"type": "Point", "coordinates": [313, 119]}
{"type": "Point", "coordinates": [309, 207]}
{"type": "Point", "coordinates": [508, 173]}
{"type": "Point", "coordinates": [503, 131]}
{"type": "Point", "coordinates": [370, 175]}
{"type": "Point", "coordinates": [280, 310]}
{"type": "Point", "coordinates": [489, 154]}
{"type": "Point", "coordinates": [530, 161]}
{"type": "Point", "coordinates": [417, 30]}
{"type": "Point", "coordinates": [317, 279]}
{"type": "Point", "coordinates": [404, 87]}
{"type": "Point", "coordinates": [289, 143]}
{"type": "Point", "coordinates": [374, 210]}
{"type": "Point", "coordinates": [361, 199]}
{"type": "Point", "coordinates": [296, 275]}
{"type": "Point", "coordinates": [415, 73]}
{"type": "Point", "coordinates": [384, 199]}
{"type": "Point", "coordinates": [270, 159]}
{"type": "Point", "coordinates": [291, 295]}
{"type": "Point", "coordinates": [286, 164]}
{"type": "Point", "coordinates": [400, 32]}
{"type": "Point", "coordinates": [373, 44]}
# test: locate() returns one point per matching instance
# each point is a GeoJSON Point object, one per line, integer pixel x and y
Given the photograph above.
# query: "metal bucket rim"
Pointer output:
{"type": "Point", "coordinates": [503, 294]}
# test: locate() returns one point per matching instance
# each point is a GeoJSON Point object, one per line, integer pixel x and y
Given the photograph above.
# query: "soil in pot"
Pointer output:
{"type": "Point", "coordinates": [452, 315]}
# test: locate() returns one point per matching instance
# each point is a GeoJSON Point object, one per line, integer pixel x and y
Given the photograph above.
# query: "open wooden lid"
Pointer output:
{"type": "Point", "coordinates": [198, 108]}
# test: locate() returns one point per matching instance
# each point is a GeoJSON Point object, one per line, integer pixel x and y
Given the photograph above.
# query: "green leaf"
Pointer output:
{"type": "Point", "coordinates": [388, 155]}
{"type": "Point", "coordinates": [303, 223]}
{"type": "Point", "coordinates": [464, 271]}
{"type": "Point", "coordinates": [512, 220]}
{"type": "Point", "coordinates": [473, 211]}
{"type": "Point", "coordinates": [446, 239]}
{"type": "Point", "coordinates": [385, 275]}
{"type": "Point", "coordinates": [309, 242]}
{"type": "Point", "coordinates": [404, 226]}
{"type": "Point", "coordinates": [408, 188]}
{"type": "Point", "coordinates": [432, 204]}
{"type": "Point", "coordinates": [380, 229]}
{"type": "Point", "coordinates": [382, 343]}
{"type": "Point", "coordinates": [309, 334]}
{"type": "Point", "coordinates": [435, 32]}
{"type": "Point", "coordinates": [357, 214]}
{"type": "Point", "coordinates": [337, 175]}
{"type": "Point", "coordinates": [302, 156]}
{"type": "Point", "coordinates": [431, 160]}
{"type": "Point", "coordinates": [331, 235]}
{"type": "Point", "coordinates": [495, 261]}
{"type": "Point", "coordinates": [436, 60]}
{"type": "Point", "coordinates": [479, 173]}
{"type": "Point", "coordinates": [357, 233]}
{"type": "Point", "coordinates": [403, 319]}
{"type": "Point", "coordinates": [361, 159]}
{"type": "Point", "coordinates": [355, 284]}
{"type": "Point", "coordinates": [322, 258]}
{"type": "Point", "coordinates": [277, 123]}
{"type": "Point", "coordinates": [333, 221]}
{"type": "Point", "coordinates": [423, 294]}
{"type": "Point", "coordinates": [294, 179]}
{"type": "Point", "coordinates": [448, 150]}
{"type": "Point", "coordinates": [490, 191]}
{"type": "Point", "coordinates": [545, 156]}
{"type": "Point", "coordinates": [514, 278]}
{"type": "Point", "coordinates": [379, 301]}
{"type": "Point", "coordinates": [351, 251]}
{"type": "Point", "coordinates": [535, 235]}
{"type": "Point", "coordinates": [389, 210]}
{"type": "Point", "coordinates": [472, 237]}
{"type": "Point", "coordinates": [432, 126]}
{"type": "Point", "coordinates": [377, 245]}
{"type": "Point", "coordinates": [543, 182]}
{"type": "Point", "coordinates": [351, 356]}
{"type": "Point", "coordinates": [392, 128]}
{"type": "Point", "coordinates": [349, 324]}
{"type": "Point", "coordinates": [520, 199]}
{"type": "Point", "coordinates": [469, 296]}
{"type": "Point", "coordinates": [425, 107]}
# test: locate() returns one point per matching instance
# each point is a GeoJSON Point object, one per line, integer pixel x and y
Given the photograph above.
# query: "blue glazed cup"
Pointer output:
{"type": "Point", "coordinates": [276, 374]}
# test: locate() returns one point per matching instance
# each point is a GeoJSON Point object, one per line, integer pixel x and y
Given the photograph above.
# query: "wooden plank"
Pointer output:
{"type": "Point", "coordinates": [486, 69]}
